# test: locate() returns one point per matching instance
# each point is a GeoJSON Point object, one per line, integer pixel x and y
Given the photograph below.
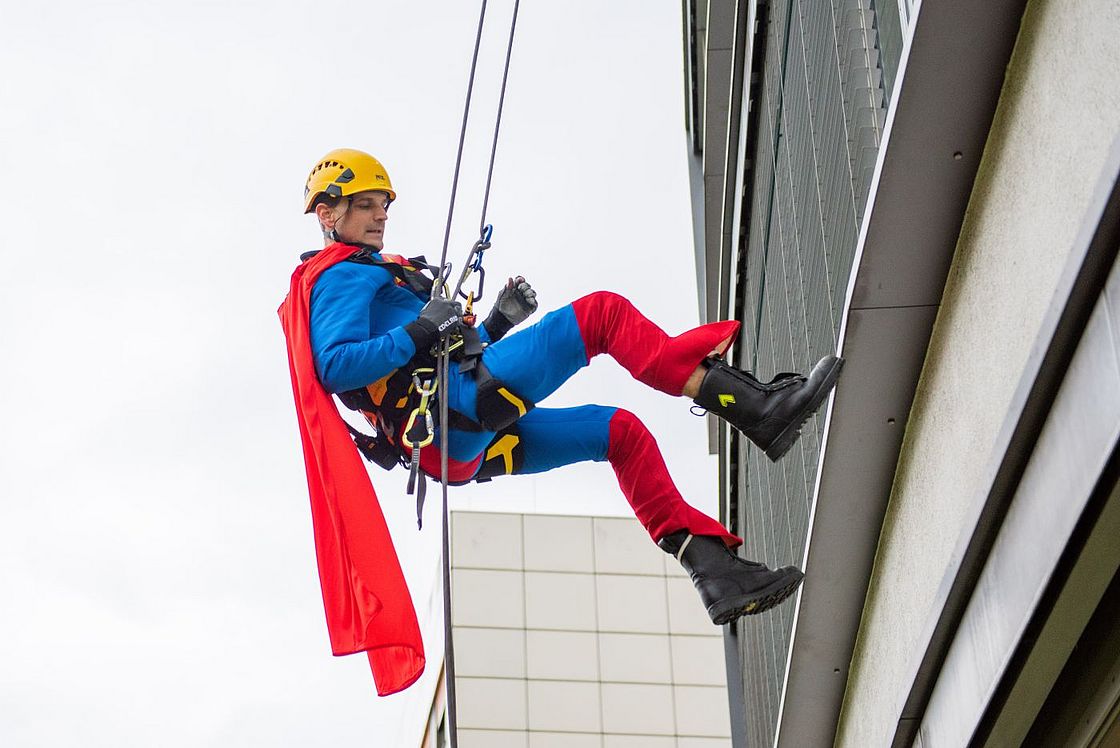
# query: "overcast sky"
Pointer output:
{"type": "Point", "coordinates": [157, 571]}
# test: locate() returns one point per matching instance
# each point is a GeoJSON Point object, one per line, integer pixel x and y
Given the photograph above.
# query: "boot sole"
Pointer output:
{"type": "Point", "coordinates": [792, 432]}
{"type": "Point", "coordinates": [731, 609]}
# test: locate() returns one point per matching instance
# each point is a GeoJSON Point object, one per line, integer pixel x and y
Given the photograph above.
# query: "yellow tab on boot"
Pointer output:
{"type": "Point", "coordinates": [726, 400]}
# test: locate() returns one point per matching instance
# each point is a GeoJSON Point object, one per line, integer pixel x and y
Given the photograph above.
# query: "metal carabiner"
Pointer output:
{"type": "Point", "coordinates": [422, 388]}
{"type": "Point", "coordinates": [439, 283]}
{"type": "Point", "coordinates": [481, 278]}
{"type": "Point", "coordinates": [474, 264]}
{"type": "Point", "coordinates": [429, 425]}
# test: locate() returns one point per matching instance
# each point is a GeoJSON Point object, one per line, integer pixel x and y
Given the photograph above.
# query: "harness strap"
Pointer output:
{"type": "Point", "coordinates": [497, 405]}
{"type": "Point", "coordinates": [416, 476]}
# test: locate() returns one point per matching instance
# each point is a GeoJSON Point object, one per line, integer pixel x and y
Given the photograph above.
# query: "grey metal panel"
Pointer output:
{"type": "Point", "coordinates": [839, 562]}
{"type": "Point", "coordinates": [723, 66]}
{"type": "Point", "coordinates": [716, 103]}
{"type": "Point", "coordinates": [720, 23]}
{"type": "Point", "coordinates": [1082, 593]}
{"type": "Point", "coordinates": [696, 191]}
{"type": "Point", "coordinates": [721, 19]}
{"type": "Point", "coordinates": [1077, 441]}
{"type": "Point", "coordinates": [716, 107]}
{"type": "Point", "coordinates": [729, 250]}
{"type": "Point", "coordinates": [735, 696]}
{"type": "Point", "coordinates": [1112, 302]}
{"type": "Point", "coordinates": [693, 60]}
{"type": "Point", "coordinates": [1082, 706]}
{"type": "Point", "coordinates": [951, 81]}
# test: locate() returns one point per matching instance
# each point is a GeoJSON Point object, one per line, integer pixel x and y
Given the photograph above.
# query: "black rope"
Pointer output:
{"type": "Point", "coordinates": [498, 120]}
{"type": "Point", "coordinates": [441, 387]}
{"type": "Point", "coordinates": [443, 361]}
{"type": "Point", "coordinates": [462, 139]}
{"type": "Point", "coordinates": [448, 640]}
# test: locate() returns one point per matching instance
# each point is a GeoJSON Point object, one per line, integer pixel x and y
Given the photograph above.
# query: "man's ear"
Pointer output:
{"type": "Point", "coordinates": [326, 216]}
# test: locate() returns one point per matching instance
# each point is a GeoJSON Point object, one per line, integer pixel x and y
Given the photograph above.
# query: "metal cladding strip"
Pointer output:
{"type": "Point", "coordinates": [945, 96]}
{"type": "Point", "coordinates": [721, 35]}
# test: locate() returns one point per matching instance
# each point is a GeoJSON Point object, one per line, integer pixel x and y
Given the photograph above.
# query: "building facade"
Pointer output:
{"type": "Point", "coordinates": [578, 632]}
{"type": "Point", "coordinates": [928, 188]}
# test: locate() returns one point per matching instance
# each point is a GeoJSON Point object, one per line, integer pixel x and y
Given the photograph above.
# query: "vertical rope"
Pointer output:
{"type": "Point", "coordinates": [443, 362]}
{"type": "Point", "coordinates": [448, 640]}
{"type": "Point", "coordinates": [498, 120]}
{"type": "Point", "coordinates": [462, 139]}
{"type": "Point", "coordinates": [441, 378]}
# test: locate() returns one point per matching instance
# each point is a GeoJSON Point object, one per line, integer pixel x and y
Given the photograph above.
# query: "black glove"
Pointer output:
{"type": "Point", "coordinates": [515, 302]}
{"type": "Point", "coordinates": [439, 319]}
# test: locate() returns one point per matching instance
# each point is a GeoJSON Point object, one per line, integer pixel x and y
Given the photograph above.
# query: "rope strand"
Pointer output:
{"type": "Point", "coordinates": [462, 140]}
{"type": "Point", "coordinates": [498, 119]}
{"type": "Point", "coordinates": [441, 378]}
{"type": "Point", "coordinates": [443, 364]}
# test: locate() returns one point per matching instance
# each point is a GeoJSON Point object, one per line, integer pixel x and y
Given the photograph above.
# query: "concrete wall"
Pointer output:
{"type": "Point", "coordinates": [1057, 117]}
{"type": "Point", "coordinates": [577, 632]}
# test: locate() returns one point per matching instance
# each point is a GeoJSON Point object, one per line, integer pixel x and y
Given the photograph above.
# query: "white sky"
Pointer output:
{"type": "Point", "coordinates": [157, 572]}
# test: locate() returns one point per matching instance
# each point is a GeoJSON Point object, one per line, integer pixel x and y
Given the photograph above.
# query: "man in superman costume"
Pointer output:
{"type": "Point", "coordinates": [361, 324]}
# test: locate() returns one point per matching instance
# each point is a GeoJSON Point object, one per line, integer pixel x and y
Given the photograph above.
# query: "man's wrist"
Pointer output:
{"type": "Point", "coordinates": [423, 333]}
{"type": "Point", "coordinates": [497, 325]}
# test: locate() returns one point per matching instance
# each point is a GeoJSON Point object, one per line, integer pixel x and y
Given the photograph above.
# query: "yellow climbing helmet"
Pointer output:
{"type": "Point", "coordinates": [344, 172]}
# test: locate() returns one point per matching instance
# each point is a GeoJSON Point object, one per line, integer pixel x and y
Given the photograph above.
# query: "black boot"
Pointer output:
{"type": "Point", "coordinates": [729, 586]}
{"type": "Point", "coordinates": [771, 414]}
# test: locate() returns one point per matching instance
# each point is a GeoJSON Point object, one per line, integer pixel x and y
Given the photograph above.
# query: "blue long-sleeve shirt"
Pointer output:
{"type": "Point", "coordinates": [358, 314]}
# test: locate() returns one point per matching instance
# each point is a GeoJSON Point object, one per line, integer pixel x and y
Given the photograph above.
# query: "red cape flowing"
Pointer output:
{"type": "Point", "coordinates": [367, 602]}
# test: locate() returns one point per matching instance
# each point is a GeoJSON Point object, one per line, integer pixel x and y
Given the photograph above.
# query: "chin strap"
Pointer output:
{"type": "Point", "coordinates": [332, 233]}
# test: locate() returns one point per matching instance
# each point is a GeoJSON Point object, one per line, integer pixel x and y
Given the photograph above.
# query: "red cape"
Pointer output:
{"type": "Point", "coordinates": [366, 599]}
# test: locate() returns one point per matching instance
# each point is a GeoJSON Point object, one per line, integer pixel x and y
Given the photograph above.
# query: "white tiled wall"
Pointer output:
{"type": "Point", "coordinates": [559, 601]}
{"type": "Point", "coordinates": [635, 658]}
{"type": "Point", "coordinates": [558, 543]}
{"type": "Point", "coordinates": [578, 632]}
{"type": "Point", "coordinates": [563, 655]}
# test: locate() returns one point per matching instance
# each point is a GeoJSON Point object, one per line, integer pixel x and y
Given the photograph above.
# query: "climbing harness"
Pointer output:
{"type": "Point", "coordinates": [399, 406]}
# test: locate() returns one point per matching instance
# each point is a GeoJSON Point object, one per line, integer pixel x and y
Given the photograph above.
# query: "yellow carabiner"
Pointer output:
{"type": "Point", "coordinates": [426, 390]}
{"type": "Point", "coordinates": [412, 422]}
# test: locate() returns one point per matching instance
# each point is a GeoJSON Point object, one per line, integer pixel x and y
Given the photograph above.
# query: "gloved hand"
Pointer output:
{"type": "Point", "coordinates": [439, 319]}
{"type": "Point", "coordinates": [515, 302]}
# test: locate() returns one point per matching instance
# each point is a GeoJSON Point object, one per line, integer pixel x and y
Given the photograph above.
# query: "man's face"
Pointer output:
{"type": "Point", "coordinates": [364, 221]}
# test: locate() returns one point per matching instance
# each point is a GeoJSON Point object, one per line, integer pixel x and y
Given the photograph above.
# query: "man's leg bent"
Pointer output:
{"type": "Point", "coordinates": [729, 586]}
{"type": "Point", "coordinates": [535, 361]}
{"type": "Point", "coordinates": [611, 324]}
{"type": "Point", "coordinates": [552, 437]}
